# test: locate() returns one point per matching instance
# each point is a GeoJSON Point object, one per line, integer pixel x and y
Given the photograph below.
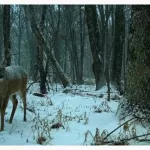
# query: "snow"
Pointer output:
{"type": "Point", "coordinates": [79, 109]}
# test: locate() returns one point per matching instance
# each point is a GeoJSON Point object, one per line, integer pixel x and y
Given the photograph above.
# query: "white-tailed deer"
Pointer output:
{"type": "Point", "coordinates": [13, 80]}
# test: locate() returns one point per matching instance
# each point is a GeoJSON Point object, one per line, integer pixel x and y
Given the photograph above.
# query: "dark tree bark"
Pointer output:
{"type": "Point", "coordinates": [107, 49]}
{"type": "Point", "coordinates": [138, 71]}
{"type": "Point", "coordinates": [106, 41]}
{"type": "Point", "coordinates": [118, 45]}
{"type": "Point", "coordinates": [138, 66]}
{"type": "Point", "coordinates": [82, 31]}
{"type": "Point", "coordinates": [40, 53]}
{"type": "Point", "coordinates": [19, 35]}
{"type": "Point", "coordinates": [1, 33]}
{"type": "Point", "coordinates": [94, 37]}
{"type": "Point", "coordinates": [6, 34]}
{"type": "Point", "coordinates": [112, 41]}
{"type": "Point", "coordinates": [55, 37]}
{"type": "Point", "coordinates": [126, 47]}
{"type": "Point", "coordinates": [102, 28]}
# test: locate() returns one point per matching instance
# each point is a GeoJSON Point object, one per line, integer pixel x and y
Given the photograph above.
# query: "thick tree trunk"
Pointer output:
{"type": "Point", "coordinates": [40, 49]}
{"type": "Point", "coordinates": [1, 33]}
{"type": "Point", "coordinates": [55, 37]}
{"type": "Point", "coordinates": [82, 31]}
{"type": "Point", "coordinates": [6, 34]}
{"type": "Point", "coordinates": [126, 46]}
{"type": "Point", "coordinates": [118, 45]}
{"type": "Point", "coordinates": [94, 37]}
{"type": "Point", "coordinates": [138, 66]}
{"type": "Point", "coordinates": [112, 42]}
{"type": "Point", "coordinates": [102, 15]}
{"type": "Point", "coordinates": [107, 49]}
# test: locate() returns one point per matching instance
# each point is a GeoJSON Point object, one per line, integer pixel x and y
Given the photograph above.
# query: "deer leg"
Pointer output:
{"type": "Point", "coordinates": [3, 108]}
{"type": "Point", "coordinates": [15, 103]}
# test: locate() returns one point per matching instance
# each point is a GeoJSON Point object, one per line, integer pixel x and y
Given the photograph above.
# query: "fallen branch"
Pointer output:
{"type": "Point", "coordinates": [57, 125]}
{"type": "Point", "coordinates": [87, 94]}
{"type": "Point", "coordinates": [38, 94]}
{"type": "Point", "coordinates": [144, 140]}
{"type": "Point", "coordinates": [128, 139]}
{"type": "Point", "coordinates": [117, 128]}
{"type": "Point", "coordinates": [32, 84]}
{"type": "Point", "coordinates": [29, 109]}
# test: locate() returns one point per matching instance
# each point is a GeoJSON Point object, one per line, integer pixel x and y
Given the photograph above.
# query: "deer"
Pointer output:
{"type": "Point", "coordinates": [13, 80]}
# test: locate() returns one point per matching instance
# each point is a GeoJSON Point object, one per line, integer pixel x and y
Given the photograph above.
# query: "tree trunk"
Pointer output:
{"type": "Point", "coordinates": [49, 53]}
{"type": "Point", "coordinates": [112, 44]}
{"type": "Point", "coordinates": [138, 72]}
{"type": "Point", "coordinates": [19, 35]}
{"type": "Point", "coordinates": [94, 37]}
{"type": "Point", "coordinates": [73, 51]}
{"type": "Point", "coordinates": [6, 34]}
{"type": "Point", "coordinates": [101, 11]}
{"type": "Point", "coordinates": [40, 51]}
{"type": "Point", "coordinates": [33, 72]}
{"type": "Point", "coordinates": [55, 31]}
{"type": "Point", "coordinates": [107, 50]}
{"type": "Point", "coordinates": [40, 48]}
{"type": "Point", "coordinates": [118, 45]}
{"type": "Point", "coordinates": [82, 31]}
{"type": "Point", "coordinates": [1, 33]}
{"type": "Point", "coordinates": [126, 46]}
{"type": "Point", "coordinates": [55, 37]}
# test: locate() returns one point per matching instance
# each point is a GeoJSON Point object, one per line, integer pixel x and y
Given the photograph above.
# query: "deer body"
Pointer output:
{"type": "Point", "coordinates": [13, 80]}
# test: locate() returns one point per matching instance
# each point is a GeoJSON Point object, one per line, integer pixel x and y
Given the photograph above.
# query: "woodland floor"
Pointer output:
{"type": "Point", "coordinates": [74, 116]}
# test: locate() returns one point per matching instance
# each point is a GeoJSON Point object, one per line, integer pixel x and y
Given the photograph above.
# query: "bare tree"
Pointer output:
{"type": "Point", "coordinates": [138, 72]}
{"type": "Point", "coordinates": [82, 38]}
{"type": "Point", "coordinates": [6, 34]}
{"type": "Point", "coordinates": [50, 55]}
{"type": "Point", "coordinates": [33, 69]}
{"type": "Point", "coordinates": [94, 37]}
{"type": "Point", "coordinates": [118, 45]}
{"type": "Point", "coordinates": [1, 32]}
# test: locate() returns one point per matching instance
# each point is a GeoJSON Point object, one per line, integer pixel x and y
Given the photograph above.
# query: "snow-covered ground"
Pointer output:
{"type": "Point", "coordinates": [80, 111]}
